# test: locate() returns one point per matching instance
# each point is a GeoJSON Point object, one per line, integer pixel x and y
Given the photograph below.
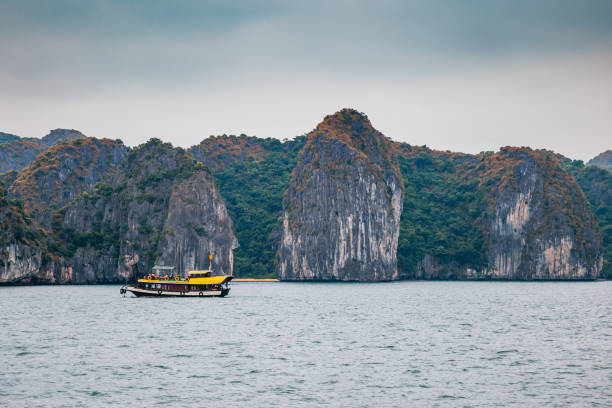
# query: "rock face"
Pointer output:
{"type": "Point", "coordinates": [20, 263]}
{"type": "Point", "coordinates": [197, 225]}
{"type": "Point", "coordinates": [542, 226]}
{"type": "Point", "coordinates": [343, 205]}
{"type": "Point", "coordinates": [158, 206]}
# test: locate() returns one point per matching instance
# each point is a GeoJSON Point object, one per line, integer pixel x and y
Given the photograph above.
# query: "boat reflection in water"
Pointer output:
{"type": "Point", "coordinates": [195, 284]}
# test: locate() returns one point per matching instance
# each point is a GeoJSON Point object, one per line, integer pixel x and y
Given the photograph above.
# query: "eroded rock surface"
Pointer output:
{"type": "Point", "coordinates": [158, 206]}
{"type": "Point", "coordinates": [343, 205]}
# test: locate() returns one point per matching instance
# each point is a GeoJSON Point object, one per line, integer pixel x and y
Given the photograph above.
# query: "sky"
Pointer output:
{"type": "Point", "coordinates": [455, 75]}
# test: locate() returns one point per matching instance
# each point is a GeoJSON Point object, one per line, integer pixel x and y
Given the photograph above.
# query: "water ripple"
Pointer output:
{"type": "Point", "coordinates": [400, 344]}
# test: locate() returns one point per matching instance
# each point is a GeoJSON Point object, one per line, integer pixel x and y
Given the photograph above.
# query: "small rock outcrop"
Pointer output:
{"type": "Point", "coordinates": [343, 205]}
{"type": "Point", "coordinates": [57, 136]}
{"type": "Point", "coordinates": [218, 152]}
{"type": "Point", "coordinates": [603, 160]}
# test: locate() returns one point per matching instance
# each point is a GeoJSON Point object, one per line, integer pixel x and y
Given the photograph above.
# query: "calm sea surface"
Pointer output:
{"type": "Point", "coordinates": [301, 344]}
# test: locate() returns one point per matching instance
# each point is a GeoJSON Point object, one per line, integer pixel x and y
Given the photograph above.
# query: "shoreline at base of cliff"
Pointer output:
{"type": "Point", "coordinates": [255, 280]}
{"type": "Point", "coordinates": [14, 284]}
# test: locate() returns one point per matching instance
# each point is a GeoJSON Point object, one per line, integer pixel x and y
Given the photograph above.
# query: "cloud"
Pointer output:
{"type": "Point", "coordinates": [144, 40]}
{"type": "Point", "coordinates": [469, 75]}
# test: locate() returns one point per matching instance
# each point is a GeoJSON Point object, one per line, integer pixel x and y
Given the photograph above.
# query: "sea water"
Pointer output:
{"type": "Point", "coordinates": [400, 344]}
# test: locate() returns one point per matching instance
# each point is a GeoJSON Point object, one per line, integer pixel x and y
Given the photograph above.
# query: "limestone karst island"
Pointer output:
{"type": "Point", "coordinates": [342, 203]}
{"type": "Point", "coordinates": [306, 204]}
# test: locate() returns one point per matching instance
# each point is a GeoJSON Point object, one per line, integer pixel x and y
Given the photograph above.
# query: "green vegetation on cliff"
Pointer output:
{"type": "Point", "coordinates": [17, 154]}
{"type": "Point", "coordinates": [450, 202]}
{"type": "Point", "coordinates": [597, 186]}
{"type": "Point", "coordinates": [7, 137]}
{"type": "Point", "coordinates": [16, 226]}
{"type": "Point", "coordinates": [253, 187]}
{"type": "Point", "coordinates": [442, 206]}
{"type": "Point", "coordinates": [119, 196]}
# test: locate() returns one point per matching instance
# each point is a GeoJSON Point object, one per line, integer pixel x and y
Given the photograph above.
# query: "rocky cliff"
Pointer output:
{"type": "Point", "coordinates": [158, 206]}
{"type": "Point", "coordinates": [527, 218]}
{"type": "Point", "coordinates": [198, 224]}
{"type": "Point", "coordinates": [343, 205]}
{"type": "Point", "coordinates": [541, 226]}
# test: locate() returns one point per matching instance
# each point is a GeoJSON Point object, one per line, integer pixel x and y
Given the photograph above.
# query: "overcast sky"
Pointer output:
{"type": "Point", "coordinates": [457, 75]}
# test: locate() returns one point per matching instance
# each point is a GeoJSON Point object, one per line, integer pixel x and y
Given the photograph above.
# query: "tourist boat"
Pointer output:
{"type": "Point", "coordinates": [195, 284]}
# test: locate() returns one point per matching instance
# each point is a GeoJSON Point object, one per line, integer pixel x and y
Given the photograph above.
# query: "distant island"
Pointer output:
{"type": "Point", "coordinates": [342, 203]}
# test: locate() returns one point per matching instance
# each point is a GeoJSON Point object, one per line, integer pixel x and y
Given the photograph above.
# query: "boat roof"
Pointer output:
{"type": "Point", "coordinates": [211, 279]}
{"type": "Point", "coordinates": [195, 272]}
